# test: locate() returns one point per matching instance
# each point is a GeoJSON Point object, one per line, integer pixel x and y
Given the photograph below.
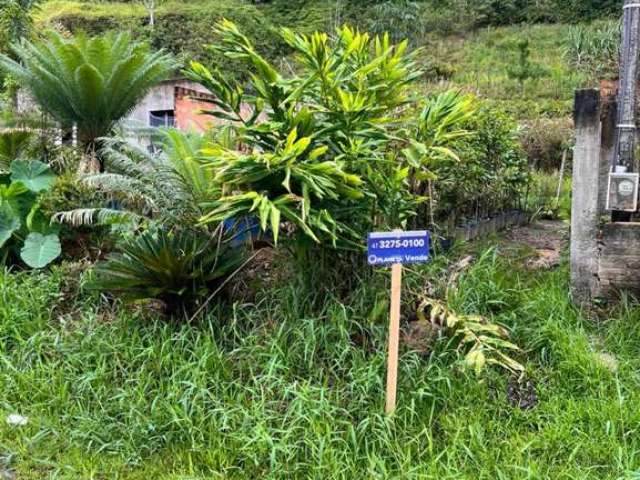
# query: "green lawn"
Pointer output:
{"type": "Point", "coordinates": [274, 389]}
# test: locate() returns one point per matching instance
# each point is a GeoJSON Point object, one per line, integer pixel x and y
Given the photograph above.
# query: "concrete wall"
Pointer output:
{"type": "Point", "coordinates": [605, 255]}
{"type": "Point", "coordinates": [618, 260]}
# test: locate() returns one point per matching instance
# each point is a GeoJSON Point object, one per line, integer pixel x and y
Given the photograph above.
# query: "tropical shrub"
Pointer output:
{"type": "Point", "coordinates": [314, 140]}
{"type": "Point", "coordinates": [24, 231]}
{"type": "Point", "coordinates": [88, 82]}
{"type": "Point", "coordinates": [439, 126]}
{"type": "Point", "coordinates": [167, 185]}
{"type": "Point", "coordinates": [177, 267]}
{"type": "Point", "coordinates": [13, 144]}
{"type": "Point", "coordinates": [491, 172]}
{"type": "Point", "coordinates": [153, 200]}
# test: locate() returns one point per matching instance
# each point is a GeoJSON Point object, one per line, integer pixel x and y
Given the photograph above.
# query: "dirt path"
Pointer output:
{"type": "Point", "coordinates": [546, 237]}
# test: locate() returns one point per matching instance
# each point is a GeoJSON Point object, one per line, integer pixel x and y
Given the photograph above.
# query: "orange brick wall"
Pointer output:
{"type": "Point", "coordinates": [188, 104]}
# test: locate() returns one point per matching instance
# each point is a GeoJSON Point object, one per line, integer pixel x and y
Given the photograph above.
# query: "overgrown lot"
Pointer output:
{"type": "Point", "coordinates": [269, 390]}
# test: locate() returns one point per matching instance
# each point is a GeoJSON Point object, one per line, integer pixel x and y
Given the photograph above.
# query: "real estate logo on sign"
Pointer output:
{"type": "Point", "coordinates": [387, 248]}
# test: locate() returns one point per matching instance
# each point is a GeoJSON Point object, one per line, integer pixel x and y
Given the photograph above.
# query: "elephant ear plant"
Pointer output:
{"type": "Point", "coordinates": [24, 231]}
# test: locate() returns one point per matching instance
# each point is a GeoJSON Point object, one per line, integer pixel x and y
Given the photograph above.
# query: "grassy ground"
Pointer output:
{"type": "Point", "coordinates": [275, 390]}
{"type": "Point", "coordinates": [479, 61]}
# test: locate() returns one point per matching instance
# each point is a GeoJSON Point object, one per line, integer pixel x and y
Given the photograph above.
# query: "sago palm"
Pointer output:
{"type": "Point", "coordinates": [89, 82]}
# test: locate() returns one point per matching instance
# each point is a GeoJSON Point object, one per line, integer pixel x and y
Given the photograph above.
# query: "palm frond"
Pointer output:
{"type": "Point", "coordinates": [94, 216]}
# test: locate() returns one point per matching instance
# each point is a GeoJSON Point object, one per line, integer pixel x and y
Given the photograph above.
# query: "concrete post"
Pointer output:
{"type": "Point", "coordinates": [585, 212]}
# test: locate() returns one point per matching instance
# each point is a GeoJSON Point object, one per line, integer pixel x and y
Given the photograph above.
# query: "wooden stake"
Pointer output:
{"type": "Point", "coordinates": [394, 337]}
{"type": "Point", "coordinates": [561, 179]}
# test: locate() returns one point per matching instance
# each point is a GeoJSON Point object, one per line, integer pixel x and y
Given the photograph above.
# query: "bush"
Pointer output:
{"type": "Point", "coordinates": [544, 142]}
{"type": "Point", "coordinates": [25, 233]}
{"type": "Point", "coordinates": [178, 267]}
{"type": "Point", "coordinates": [491, 173]}
{"type": "Point", "coordinates": [324, 131]}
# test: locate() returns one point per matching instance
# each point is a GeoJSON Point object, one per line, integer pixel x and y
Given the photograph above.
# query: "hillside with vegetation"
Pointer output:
{"type": "Point", "coordinates": [527, 58]}
{"type": "Point", "coordinates": [201, 305]}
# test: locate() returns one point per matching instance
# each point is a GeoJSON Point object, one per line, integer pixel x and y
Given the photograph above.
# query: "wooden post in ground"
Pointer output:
{"type": "Point", "coordinates": [394, 337]}
{"type": "Point", "coordinates": [585, 211]}
{"type": "Point", "coordinates": [561, 177]}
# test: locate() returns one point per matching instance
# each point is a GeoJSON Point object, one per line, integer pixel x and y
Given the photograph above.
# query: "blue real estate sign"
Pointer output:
{"type": "Point", "coordinates": [386, 248]}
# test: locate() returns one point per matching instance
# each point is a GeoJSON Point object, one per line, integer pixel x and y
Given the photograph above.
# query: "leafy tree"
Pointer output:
{"type": "Point", "coordinates": [89, 82]}
{"type": "Point", "coordinates": [401, 18]}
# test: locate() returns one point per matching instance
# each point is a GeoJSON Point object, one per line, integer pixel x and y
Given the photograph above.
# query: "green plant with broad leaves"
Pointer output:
{"type": "Point", "coordinates": [178, 267]}
{"type": "Point", "coordinates": [315, 142]}
{"type": "Point", "coordinates": [88, 82]}
{"type": "Point", "coordinates": [481, 342]}
{"type": "Point", "coordinates": [158, 195]}
{"type": "Point", "coordinates": [24, 231]}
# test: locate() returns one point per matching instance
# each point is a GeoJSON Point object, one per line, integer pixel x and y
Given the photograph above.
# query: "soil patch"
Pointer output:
{"type": "Point", "coordinates": [547, 238]}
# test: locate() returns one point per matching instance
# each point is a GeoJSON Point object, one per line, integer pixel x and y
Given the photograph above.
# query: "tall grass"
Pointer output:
{"type": "Point", "coordinates": [274, 390]}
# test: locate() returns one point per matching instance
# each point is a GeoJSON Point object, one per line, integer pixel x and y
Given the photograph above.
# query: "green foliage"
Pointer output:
{"type": "Point", "coordinates": [274, 391]}
{"type": "Point", "coordinates": [401, 18]}
{"type": "Point", "coordinates": [40, 250]}
{"type": "Point", "coordinates": [491, 172]}
{"type": "Point", "coordinates": [90, 82]}
{"type": "Point", "coordinates": [525, 69]}
{"type": "Point", "coordinates": [481, 341]}
{"type": "Point", "coordinates": [16, 21]}
{"type": "Point", "coordinates": [24, 229]}
{"type": "Point", "coordinates": [549, 195]}
{"type": "Point", "coordinates": [13, 143]}
{"type": "Point", "coordinates": [158, 196]}
{"type": "Point", "coordinates": [325, 129]}
{"type": "Point", "coordinates": [168, 185]}
{"type": "Point", "coordinates": [36, 176]}
{"type": "Point", "coordinates": [177, 268]}
{"type": "Point", "coordinates": [594, 49]}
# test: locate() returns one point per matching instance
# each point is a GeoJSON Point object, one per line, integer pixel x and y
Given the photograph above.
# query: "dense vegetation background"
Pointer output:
{"type": "Point", "coordinates": [136, 348]}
